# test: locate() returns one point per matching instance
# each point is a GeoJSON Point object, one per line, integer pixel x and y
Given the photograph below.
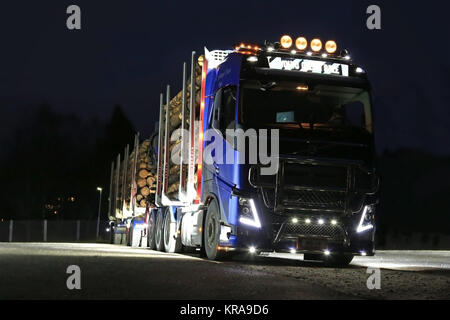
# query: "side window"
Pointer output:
{"type": "Point", "coordinates": [354, 113]}
{"type": "Point", "coordinates": [223, 116]}
{"type": "Point", "coordinates": [216, 110]}
{"type": "Point", "coordinates": [358, 112]}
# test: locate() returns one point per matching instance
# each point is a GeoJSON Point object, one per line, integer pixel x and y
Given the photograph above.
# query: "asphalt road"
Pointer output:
{"type": "Point", "coordinates": [38, 271]}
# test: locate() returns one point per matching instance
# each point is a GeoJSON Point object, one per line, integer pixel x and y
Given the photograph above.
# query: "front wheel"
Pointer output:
{"type": "Point", "coordinates": [312, 257]}
{"type": "Point", "coordinates": [339, 260]}
{"type": "Point", "coordinates": [211, 232]}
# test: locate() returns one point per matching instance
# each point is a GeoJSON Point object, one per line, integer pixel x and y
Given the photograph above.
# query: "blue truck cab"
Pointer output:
{"type": "Point", "coordinates": [322, 200]}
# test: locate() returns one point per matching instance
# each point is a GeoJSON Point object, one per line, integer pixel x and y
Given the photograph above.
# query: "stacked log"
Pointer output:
{"type": "Point", "coordinates": [142, 165]}
{"type": "Point", "coordinates": [145, 175]}
{"type": "Point", "coordinates": [175, 118]}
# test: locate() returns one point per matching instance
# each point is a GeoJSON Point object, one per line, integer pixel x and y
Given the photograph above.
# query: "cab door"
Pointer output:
{"type": "Point", "coordinates": [223, 117]}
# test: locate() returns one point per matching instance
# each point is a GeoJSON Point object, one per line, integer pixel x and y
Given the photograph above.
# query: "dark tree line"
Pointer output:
{"type": "Point", "coordinates": [53, 163]}
{"type": "Point", "coordinates": [415, 189]}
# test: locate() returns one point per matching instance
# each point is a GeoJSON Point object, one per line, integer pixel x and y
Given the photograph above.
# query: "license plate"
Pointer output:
{"type": "Point", "coordinates": [312, 244]}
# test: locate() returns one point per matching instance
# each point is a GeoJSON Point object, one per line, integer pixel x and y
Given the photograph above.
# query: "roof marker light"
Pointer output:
{"type": "Point", "coordinates": [331, 46]}
{"type": "Point", "coordinates": [301, 43]}
{"type": "Point", "coordinates": [286, 41]}
{"type": "Point", "coordinates": [309, 53]}
{"type": "Point", "coordinates": [302, 87]}
{"type": "Point", "coordinates": [316, 45]}
{"type": "Point", "coordinates": [324, 55]}
{"type": "Point", "coordinates": [293, 52]}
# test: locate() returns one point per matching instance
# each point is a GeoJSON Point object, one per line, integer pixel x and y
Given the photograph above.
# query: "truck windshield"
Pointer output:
{"type": "Point", "coordinates": [303, 106]}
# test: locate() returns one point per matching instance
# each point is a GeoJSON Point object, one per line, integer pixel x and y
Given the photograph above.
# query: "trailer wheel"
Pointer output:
{"type": "Point", "coordinates": [172, 242]}
{"type": "Point", "coordinates": [117, 236]}
{"type": "Point", "coordinates": [151, 232]}
{"type": "Point", "coordinates": [111, 233]}
{"type": "Point", "coordinates": [130, 235]}
{"type": "Point", "coordinates": [159, 241]}
{"type": "Point", "coordinates": [211, 232]}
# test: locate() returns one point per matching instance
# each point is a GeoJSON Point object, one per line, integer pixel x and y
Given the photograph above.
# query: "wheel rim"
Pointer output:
{"type": "Point", "coordinates": [211, 232]}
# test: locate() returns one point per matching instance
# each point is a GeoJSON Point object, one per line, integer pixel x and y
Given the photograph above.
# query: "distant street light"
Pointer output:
{"type": "Point", "coordinates": [99, 209]}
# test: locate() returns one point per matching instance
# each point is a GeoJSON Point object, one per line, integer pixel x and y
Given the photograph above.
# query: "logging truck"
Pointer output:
{"type": "Point", "coordinates": [205, 180]}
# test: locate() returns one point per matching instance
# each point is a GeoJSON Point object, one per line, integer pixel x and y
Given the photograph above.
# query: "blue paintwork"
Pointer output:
{"type": "Point", "coordinates": [227, 74]}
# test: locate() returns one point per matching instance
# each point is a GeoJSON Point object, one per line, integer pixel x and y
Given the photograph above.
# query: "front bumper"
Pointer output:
{"type": "Point", "coordinates": [336, 235]}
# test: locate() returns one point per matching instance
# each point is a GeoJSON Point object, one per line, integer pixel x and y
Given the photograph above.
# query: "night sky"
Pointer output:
{"type": "Point", "coordinates": [127, 51]}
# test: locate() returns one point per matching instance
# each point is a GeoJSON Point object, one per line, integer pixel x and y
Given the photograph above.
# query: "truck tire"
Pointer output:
{"type": "Point", "coordinates": [312, 257]}
{"type": "Point", "coordinates": [211, 232]}
{"type": "Point", "coordinates": [172, 242]}
{"type": "Point", "coordinates": [111, 233]}
{"type": "Point", "coordinates": [159, 226]}
{"type": "Point", "coordinates": [117, 237]}
{"type": "Point", "coordinates": [130, 235]}
{"type": "Point", "coordinates": [151, 232]}
{"type": "Point", "coordinates": [338, 260]}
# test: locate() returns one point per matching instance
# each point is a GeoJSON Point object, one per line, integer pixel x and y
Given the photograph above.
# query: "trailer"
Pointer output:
{"type": "Point", "coordinates": [218, 189]}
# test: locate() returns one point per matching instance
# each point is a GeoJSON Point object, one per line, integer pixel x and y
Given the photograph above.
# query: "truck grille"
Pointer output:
{"type": "Point", "coordinates": [315, 199]}
{"type": "Point", "coordinates": [306, 187]}
{"type": "Point", "coordinates": [333, 233]}
{"type": "Point", "coordinates": [314, 176]}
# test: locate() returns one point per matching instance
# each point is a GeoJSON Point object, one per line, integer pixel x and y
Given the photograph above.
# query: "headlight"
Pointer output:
{"type": "Point", "coordinates": [248, 213]}
{"type": "Point", "coordinates": [366, 221]}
